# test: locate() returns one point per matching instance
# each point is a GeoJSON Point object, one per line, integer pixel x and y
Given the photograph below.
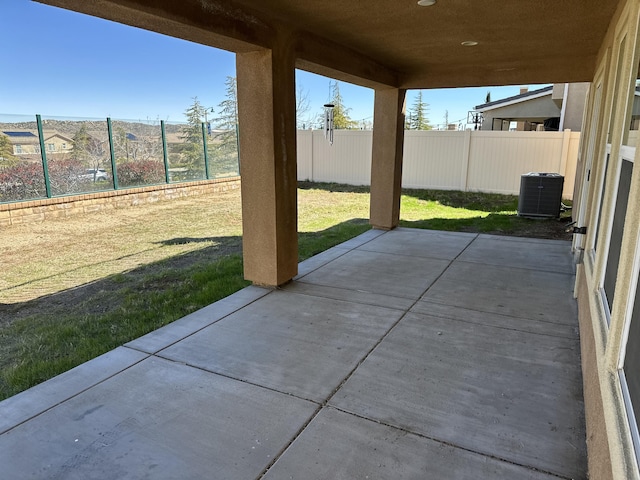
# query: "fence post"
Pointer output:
{"type": "Point", "coordinates": [312, 158]}
{"type": "Point", "coordinates": [43, 155]}
{"type": "Point", "coordinates": [112, 154]}
{"type": "Point", "coordinates": [564, 155]}
{"type": "Point", "coordinates": [204, 148]}
{"type": "Point", "coordinates": [165, 156]}
{"type": "Point", "coordinates": [466, 158]}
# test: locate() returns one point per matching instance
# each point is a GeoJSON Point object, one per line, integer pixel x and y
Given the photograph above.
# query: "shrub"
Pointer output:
{"type": "Point", "coordinates": [23, 181]}
{"type": "Point", "coordinates": [65, 176]}
{"type": "Point", "coordinates": [143, 172]}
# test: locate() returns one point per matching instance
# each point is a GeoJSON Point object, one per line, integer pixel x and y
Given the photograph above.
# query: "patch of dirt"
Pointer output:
{"type": "Point", "coordinates": [545, 228]}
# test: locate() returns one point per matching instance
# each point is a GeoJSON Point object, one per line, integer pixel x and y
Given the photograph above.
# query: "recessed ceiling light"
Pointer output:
{"type": "Point", "coordinates": [469, 43]}
{"type": "Point", "coordinates": [426, 3]}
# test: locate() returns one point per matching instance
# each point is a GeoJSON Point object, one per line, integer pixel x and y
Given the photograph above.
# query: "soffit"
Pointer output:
{"type": "Point", "coordinates": [392, 42]}
{"type": "Point", "coordinates": [540, 41]}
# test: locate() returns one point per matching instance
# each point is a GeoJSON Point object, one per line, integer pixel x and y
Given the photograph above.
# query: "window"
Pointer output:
{"type": "Point", "coordinates": [613, 258]}
{"type": "Point", "coordinates": [629, 373]}
{"type": "Point", "coordinates": [64, 146]}
{"type": "Point", "coordinates": [18, 148]}
{"type": "Point", "coordinates": [51, 147]}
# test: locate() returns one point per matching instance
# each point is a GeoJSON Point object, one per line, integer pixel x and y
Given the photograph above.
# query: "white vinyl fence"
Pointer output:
{"type": "Point", "coordinates": [479, 161]}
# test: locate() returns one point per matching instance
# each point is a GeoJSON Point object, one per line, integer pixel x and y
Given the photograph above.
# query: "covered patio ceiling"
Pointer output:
{"type": "Point", "coordinates": [399, 43]}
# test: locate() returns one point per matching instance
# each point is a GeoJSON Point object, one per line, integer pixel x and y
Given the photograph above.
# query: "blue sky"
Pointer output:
{"type": "Point", "coordinates": [60, 63]}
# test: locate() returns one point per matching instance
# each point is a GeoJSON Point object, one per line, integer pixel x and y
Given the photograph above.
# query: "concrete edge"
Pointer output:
{"type": "Point", "coordinates": [313, 263]}
{"type": "Point", "coordinates": [40, 398]}
{"type": "Point", "coordinates": [175, 331]}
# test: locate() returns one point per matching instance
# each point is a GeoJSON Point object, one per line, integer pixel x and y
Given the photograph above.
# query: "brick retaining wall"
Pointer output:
{"type": "Point", "coordinates": [60, 207]}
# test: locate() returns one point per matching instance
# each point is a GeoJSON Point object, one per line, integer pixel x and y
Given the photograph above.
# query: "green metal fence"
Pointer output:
{"type": "Point", "coordinates": [52, 157]}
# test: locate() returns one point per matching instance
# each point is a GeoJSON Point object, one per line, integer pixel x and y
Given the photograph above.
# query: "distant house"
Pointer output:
{"type": "Point", "coordinates": [26, 142]}
{"type": "Point", "coordinates": [57, 143]}
{"type": "Point", "coordinates": [23, 142]}
{"type": "Point", "coordinates": [552, 108]}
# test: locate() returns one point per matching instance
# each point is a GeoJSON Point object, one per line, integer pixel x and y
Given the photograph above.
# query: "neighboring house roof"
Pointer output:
{"type": "Point", "coordinates": [59, 135]}
{"type": "Point", "coordinates": [27, 137]}
{"type": "Point", "coordinates": [523, 97]}
{"type": "Point", "coordinates": [19, 134]}
{"type": "Point", "coordinates": [21, 137]}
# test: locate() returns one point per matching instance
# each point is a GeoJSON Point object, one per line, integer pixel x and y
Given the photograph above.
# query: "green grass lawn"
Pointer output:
{"type": "Point", "coordinates": [66, 299]}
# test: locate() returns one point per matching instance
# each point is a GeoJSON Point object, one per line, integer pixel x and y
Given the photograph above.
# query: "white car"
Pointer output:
{"type": "Point", "coordinates": [95, 175]}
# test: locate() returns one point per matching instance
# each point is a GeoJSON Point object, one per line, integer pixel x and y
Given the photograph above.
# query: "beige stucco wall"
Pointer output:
{"type": "Point", "coordinates": [599, 459]}
{"type": "Point", "coordinates": [60, 144]}
{"type": "Point", "coordinates": [603, 335]}
{"type": "Point", "coordinates": [27, 148]}
{"type": "Point", "coordinates": [574, 106]}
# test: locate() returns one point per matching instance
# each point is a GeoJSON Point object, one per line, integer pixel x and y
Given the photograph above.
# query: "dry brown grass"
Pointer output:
{"type": "Point", "coordinates": [43, 258]}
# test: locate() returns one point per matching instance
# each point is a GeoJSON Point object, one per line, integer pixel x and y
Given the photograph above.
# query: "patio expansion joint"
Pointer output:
{"type": "Point", "coordinates": [237, 379]}
{"type": "Point", "coordinates": [449, 444]}
{"type": "Point", "coordinates": [328, 297]}
{"type": "Point", "coordinates": [440, 315]}
{"type": "Point", "coordinates": [511, 267]}
{"type": "Point", "coordinates": [277, 456]}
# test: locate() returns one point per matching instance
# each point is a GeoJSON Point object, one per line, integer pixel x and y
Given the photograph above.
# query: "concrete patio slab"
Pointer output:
{"type": "Point", "coordinates": [421, 243]}
{"type": "Point", "coordinates": [340, 446]}
{"type": "Point", "coordinates": [383, 273]}
{"type": "Point", "coordinates": [517, 292]}
{"type": "Point", "coordinates": [317, 261]}
{"type": "Point", "coordinates": [297, 344]}
{"type": "Point", "coordinates": [379, 361]}
{"type": "Point", "coordinates": [540, 325]}
{"type": "Point", "coordinates": [182, 328]}
{"type": "Point", "coordinates": [313, 263]}
{"type": "Point", "coordinates": [30, 403]}
{"type": "Point", "coordinates": [157, 420]}
{"type": "Point", "coordinates": [355, 296]}
{"type": "Point", "coordinates": [511, 252]}
{"type": "Point", "coordinates": [507, 394]}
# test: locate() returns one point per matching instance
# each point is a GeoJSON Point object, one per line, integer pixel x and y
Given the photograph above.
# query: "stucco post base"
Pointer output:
{"type": "Point", "coordinates": [266, 111]}
{"type": "Point", "coordinates": [386, 159]}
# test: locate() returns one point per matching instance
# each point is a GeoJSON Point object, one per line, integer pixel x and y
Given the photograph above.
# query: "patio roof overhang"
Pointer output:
{"type": "Point", "coordinates": [399, 44]}
{"type": "Point", "coordinates": [387, 46]}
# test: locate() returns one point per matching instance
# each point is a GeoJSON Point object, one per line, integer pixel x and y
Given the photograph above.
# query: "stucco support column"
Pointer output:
{"type": "Point", "coordinates": [386, 160]}
{"type": "Point", "coordinates": [267, 126]}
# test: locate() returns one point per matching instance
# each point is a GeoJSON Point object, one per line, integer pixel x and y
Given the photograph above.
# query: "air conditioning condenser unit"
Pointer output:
{"type": "Point", "coordinates": [540, 195]}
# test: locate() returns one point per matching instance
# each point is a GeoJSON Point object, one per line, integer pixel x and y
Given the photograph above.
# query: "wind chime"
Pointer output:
{"type": "Point", "coordinates": [328, 122]}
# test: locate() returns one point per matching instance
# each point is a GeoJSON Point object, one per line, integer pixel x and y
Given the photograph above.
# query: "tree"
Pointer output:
{"type": "Point", "coordinates": [132, 147]}
{"type": "Point", "coordinates": [418, 114]}
{"type": "Point", "coordinates": [88, 149]}
{"type": "Point", "coordinates": [341, 119]}
{"type": "Point", "coordinates": [227, 119]}
{"type": "Point", "coordinates": [6, 152]}
{"type": "Point", "coordinates": [226, 148]}
{"type": "Point", "coordinates": [302, 108]}
{"type": "Point", "coordinates": [192, 131]}
{"type": "Point", "coordinates": [192, 151]}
